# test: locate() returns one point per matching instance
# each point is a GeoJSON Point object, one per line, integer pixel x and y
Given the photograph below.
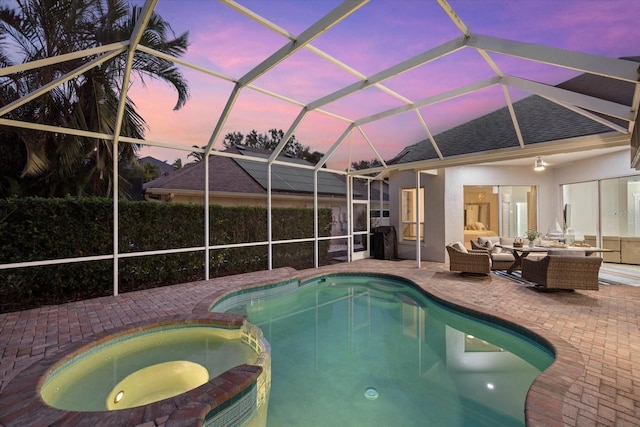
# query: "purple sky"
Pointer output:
{"type": "Point", "coordinates": [375, 37]}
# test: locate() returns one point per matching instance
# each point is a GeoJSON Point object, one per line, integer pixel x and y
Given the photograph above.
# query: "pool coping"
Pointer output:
{"type": "Point", "coordinates": [545, 399]}
{"type": "Point", "coordinates": [23, 405]}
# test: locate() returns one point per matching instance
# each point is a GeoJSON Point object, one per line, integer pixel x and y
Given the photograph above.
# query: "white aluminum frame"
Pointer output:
{"type": "Point", "coordinates": [484, 45]}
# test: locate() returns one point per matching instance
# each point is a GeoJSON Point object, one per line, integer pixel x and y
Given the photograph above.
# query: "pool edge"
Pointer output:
{"type": "Point", "coordinates": [545, 398]}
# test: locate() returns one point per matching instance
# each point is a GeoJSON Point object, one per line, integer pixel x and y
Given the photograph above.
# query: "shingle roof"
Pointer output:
{"type": "Point", "coordinates": [235, 175]}
{"type": "Point", "coordinates": [288, 179]}
{"type": "Point", "coordinates": [224, 175]}
{"type": "Point", "coordinates": [539, 120]}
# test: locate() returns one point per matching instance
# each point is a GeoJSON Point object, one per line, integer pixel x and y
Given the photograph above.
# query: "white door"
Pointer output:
{"type": "Point", "coordinates": [360, 229]}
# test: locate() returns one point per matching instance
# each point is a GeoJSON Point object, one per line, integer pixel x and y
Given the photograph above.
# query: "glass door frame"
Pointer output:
{"type": "Point", "coordinates": [364, 234]}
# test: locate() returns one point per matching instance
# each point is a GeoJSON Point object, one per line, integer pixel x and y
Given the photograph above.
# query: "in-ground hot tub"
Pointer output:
{"type": "Point", "coordinates": [219, 365]}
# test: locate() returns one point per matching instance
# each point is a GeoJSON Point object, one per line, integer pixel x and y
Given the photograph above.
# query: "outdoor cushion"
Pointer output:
{"type": "Point", "coordinates": [507, 241]}
{"type": "Point", "coordinates": [490, 243]}
{"type": "Point", "coordinates": [504, 256]}
{"type": "Point", "coordinates": [460, 246]}
{"type": "Point", "coordinates": [482, 240]}
{"type": "Point", "coordinates": [491, 246]}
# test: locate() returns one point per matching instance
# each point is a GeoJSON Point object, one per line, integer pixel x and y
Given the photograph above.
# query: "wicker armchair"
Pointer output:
{"type": "Point", "coordinates": [499, 260]}
{"type": "Point", "coordinates": [563, 272]}
{"type": "Point", "coordinates": [473, 261]}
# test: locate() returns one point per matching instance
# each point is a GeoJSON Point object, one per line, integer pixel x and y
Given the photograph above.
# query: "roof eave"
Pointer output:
{"type": "Point", "coordinates": [589, 142]}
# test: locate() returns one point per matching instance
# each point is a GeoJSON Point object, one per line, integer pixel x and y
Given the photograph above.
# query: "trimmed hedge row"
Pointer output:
{"type": "Point", "coordinates": [33, 229]}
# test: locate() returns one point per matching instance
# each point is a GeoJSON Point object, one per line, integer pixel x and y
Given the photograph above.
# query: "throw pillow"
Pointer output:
{"type": "Point", "coordinates": [492, 247]}
{"type": "Point", "coordinates": [460, 246]}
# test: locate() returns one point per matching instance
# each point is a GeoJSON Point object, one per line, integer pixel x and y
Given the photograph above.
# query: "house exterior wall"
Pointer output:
{"type": "Point", "coordinates": [548, 191]}
{"type": "Point", "coordinates": [612, 165]}
{"type": "Point", "coordinates": [434, 214]}
{"type": "Point", "coordinates": [444, 195]}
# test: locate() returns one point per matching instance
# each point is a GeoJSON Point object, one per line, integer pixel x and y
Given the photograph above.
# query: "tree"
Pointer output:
{"type": "Point", "coordinates": [270, 141]}
{"type": "Point", "coordinates": [151, 172]}
{"type": "Point", "coordinates": [197, 156]}
{"type": "Point", "coordinates": [177, 164]}
{"type": "Point", "coordinates": [365, 164]}
{"type": "Point", "coordinates": [52, 164]}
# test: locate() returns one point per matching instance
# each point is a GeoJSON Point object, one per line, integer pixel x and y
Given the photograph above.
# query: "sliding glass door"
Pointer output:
{"type": "Point", "coordinates": [519, 209]}
{"type": "Point", "coordinates": [606, 208]}
{"type": "Point", "coordinates": [505, 210]}
{"type": "Point", "coordinates": [580, 211]}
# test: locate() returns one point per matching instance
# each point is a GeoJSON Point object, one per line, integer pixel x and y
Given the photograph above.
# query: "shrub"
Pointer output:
{"type": "Point", "coordinates": [33, 229]}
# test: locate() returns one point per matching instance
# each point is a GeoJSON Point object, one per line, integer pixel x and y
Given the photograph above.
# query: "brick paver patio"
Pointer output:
{"type": "Point", "coordinates": [596, 334]}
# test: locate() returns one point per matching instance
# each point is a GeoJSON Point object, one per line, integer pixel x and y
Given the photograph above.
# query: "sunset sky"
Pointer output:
{"type": "Point", "coordinates": [378, 35]}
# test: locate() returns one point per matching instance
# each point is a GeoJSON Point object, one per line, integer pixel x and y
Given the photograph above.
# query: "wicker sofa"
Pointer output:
{"type": "Point", "coordinates": [468, 261]}
{"type": "Point", "coordinates": [563, 272]}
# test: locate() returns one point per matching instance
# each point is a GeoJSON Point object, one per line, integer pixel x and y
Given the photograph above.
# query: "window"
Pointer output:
{"type": "Point", "coordinates": [619, 202]}
{"type": "Point", "coordinates": [519, 209]}
{"type": "Point", "coordinates": [408, 202]}
{"type": "Point", "coordinates": [580, 210]}
{"type": "Point", "coordinates": [376, 213]}
{"type": "Point", "coordinates": [504, 210]}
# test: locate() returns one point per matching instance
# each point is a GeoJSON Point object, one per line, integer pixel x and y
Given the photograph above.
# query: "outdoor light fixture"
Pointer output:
{"type": "Point", "coordinates": [539, 164]}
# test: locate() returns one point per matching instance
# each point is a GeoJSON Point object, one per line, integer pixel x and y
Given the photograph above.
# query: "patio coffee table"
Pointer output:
{"type": "Point", "coordinates": [520, 252]}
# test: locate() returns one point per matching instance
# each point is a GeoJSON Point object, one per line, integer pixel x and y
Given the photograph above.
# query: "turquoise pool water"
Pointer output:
{"type": "Point", "coordinates": [370, 350]}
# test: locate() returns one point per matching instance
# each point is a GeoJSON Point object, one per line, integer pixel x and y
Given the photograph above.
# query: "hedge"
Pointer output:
{"type": "Point", "coordinates": [33, 229]}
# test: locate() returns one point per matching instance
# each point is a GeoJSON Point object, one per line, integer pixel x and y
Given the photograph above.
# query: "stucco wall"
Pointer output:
{"type": "Point", "coordinates": [444, 198]}
{"type": "Point", "coordinates": [434, 214]}
{"type": "Point", "coordinates": [610, 165]}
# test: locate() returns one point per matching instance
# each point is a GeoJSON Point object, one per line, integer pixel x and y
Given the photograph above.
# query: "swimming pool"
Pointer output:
{"type": "Point", "coordinates": [374, 350]}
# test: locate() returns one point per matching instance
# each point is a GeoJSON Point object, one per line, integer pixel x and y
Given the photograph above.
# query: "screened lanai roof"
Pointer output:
{"type": "Point", "coordinates": [539, 120]}
{"type": "Point", "coordinates": [360, 80]}
{"type": "Point", "coordinates": [363, 80]}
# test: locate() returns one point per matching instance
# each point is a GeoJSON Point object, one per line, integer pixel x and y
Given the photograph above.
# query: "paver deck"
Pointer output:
{"type": "Point", "coordinates": [595, 382]}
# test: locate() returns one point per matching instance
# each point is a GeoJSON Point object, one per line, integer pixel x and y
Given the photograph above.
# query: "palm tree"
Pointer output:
{"type": "Point", "coordinates": [197, 156]}
{"type": "Point", "coordinates": [54, 164]}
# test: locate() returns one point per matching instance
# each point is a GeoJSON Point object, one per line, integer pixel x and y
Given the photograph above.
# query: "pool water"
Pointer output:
{"type": "Point", "coordinates": [357, 350]}
{"type": "Point", "coordinates": [147, 366]}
